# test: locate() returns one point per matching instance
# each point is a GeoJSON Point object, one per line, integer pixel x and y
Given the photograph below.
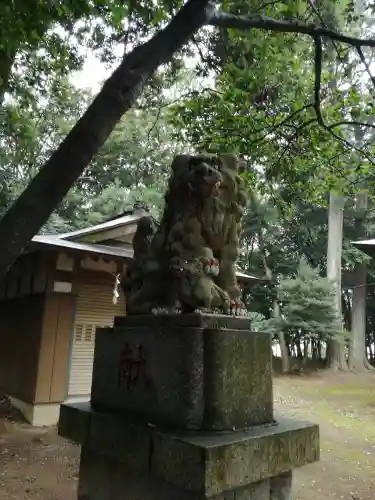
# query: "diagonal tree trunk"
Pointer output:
{"type": "Point", "coordinates": [48, 188]}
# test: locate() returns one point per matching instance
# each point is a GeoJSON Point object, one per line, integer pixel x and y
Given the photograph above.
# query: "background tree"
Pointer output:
{"type": "Point", "coordinates": [133, 164]}
{"type": "Point", "coordinates": [309, 312]}
{"type": "Point", "coordinates": [54, 179]}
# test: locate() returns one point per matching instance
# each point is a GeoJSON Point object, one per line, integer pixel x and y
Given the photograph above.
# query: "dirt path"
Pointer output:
{"type": "Point", "coordinates": [347, 433]}
{"type": "Point", "coordinates": [35, 464]}
{"type": "Point", "coordinates": [38, 465]}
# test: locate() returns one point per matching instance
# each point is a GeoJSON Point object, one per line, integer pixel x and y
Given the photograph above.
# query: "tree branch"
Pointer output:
{"type": "Point", "coordinates": [351, 124]}
{"type": "Point", "coordinates": [318, 79]}
{"type": "Point", "coordinates": [292, 138]}
{"type": "Point", "coordinates": [227, 20]}
{"type": "Point", "coordinates": [365, 63]}
{"type": "Point", "coordinates": [48, 188]}
{"type": "Point", "coordinates": [241, 22]}
{"type": "Point", "coordinates": [317, 102]}
{"type": "Point", "coordinates": [267, 4]}
{"type": "Point", "coordinates": [320, 17]}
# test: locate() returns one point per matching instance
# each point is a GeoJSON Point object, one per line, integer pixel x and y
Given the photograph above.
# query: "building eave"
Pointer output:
{"type": "Point", "coordinates": [104, 251]}
{"type": "Point", "coordinates": [104, 226]}
{"type": "Point", "coordinates": [52, 242]}
{"type": "Point", "coordinates": [367, 246]}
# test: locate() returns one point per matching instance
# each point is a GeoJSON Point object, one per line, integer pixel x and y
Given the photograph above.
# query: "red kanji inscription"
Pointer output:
{"type": "Point", "coordinates": [132, 368]}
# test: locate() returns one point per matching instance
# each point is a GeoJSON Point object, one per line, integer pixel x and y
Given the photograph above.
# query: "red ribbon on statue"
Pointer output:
{"type": "Point", "coordinates": [132, 368]}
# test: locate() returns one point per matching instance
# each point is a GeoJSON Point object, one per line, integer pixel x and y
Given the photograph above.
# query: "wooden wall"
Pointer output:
{"type": "Point", "coordinates": [54, 346]}
{"type": "Point", "coordinates": [21, 322]}
{"type": "Point", "coordinates": [31, 274]}
{"type": "Point", "coordinates": [37, 302]}
{"type": "Point", "coordinates": [35, 329]}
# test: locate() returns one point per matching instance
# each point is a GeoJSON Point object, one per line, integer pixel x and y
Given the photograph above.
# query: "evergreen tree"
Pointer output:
{"type": "Point", "coordinates": [308, 307]}
{"type": "Point", "coordinates": [258, 322]}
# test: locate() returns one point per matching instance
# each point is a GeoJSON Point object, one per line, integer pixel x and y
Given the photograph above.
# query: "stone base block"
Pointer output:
{"type": "Point", "coordinates": [255, 464]}
{"type": "Point", "coordinates": [190, 371]}
{"type": "Point", "coordinates": [101, 478]}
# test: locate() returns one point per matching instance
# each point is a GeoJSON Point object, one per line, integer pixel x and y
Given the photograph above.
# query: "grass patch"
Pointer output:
{"type": "Point", "coordinates": [358, 392]}
{"type": "Point", "coordinates": [346, 418]}
{"type": "Point", "coordinates": [354, 397]}
{"type": "Point", "coordinates": [347, 455]}
{"type": "Point", "coordinates": [344, 409]}
{"type": "Point", "coordinates": [344, 390]}
{"type": "Point", "coordinates": [349, 406]}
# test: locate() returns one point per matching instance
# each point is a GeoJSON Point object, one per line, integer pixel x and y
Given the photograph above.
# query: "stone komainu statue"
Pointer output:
{"type": "Point", "coordinates": [187, 262]}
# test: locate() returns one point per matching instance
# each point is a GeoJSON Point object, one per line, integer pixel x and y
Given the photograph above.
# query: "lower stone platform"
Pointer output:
{"type": "Point", "coordinates": [107, 479]}
{"type": "Point", "coordinates": [126, 460]}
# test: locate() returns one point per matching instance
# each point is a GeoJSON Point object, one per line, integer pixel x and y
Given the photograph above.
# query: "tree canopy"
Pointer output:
{"type": "Point", "coordinates": [287, 85]}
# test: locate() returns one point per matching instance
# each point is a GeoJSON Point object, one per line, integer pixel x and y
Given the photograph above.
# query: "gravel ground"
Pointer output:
{"type": "Point", "coordinates": [36, 464]}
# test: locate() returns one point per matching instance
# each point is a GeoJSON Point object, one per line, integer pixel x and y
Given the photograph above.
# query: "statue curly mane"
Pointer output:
{"type": "Point", "coordinates": [191, 183]}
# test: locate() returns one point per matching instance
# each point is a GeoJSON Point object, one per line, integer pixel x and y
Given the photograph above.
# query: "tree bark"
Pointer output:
{"type": "Point", "coordinates": [275, 308]}
{"type": "Point", "coordinates": [306, 345]}
{"type": "Point", "coordinates": [357, 355]}
{"type": "Point", "coordinates": [6, 63]}
{"type": "Point", "coordinates": [347, 310]}
{"type": "Point", "coordinates": [48, 188]}
{"type": "Point", "coordinates": [336, 349]}
{"type": "Point", "coordinates": [298, 347]}
{"type": "Point", "coordinates": [283, 347]}
{"type": "Point", "coordinates": [372, 349]}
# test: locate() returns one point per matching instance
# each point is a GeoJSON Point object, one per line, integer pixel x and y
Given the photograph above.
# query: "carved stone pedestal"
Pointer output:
{"type": "Point", "coordinates": [182, 409]}
{"type": "Point", "coordinates": [188, 371]}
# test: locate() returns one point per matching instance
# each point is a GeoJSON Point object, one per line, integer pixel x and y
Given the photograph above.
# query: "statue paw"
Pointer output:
{"type": "Point", "coordinates": [237, 308]}
{"type": "Point", "coordinates": [203, 310]}
{"type": "Point", "coordinates": [166, 310]}
{"type": "Point", "coordinates": [211, 267]}
{"type": "Point", "coordinates": [206, 311]}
